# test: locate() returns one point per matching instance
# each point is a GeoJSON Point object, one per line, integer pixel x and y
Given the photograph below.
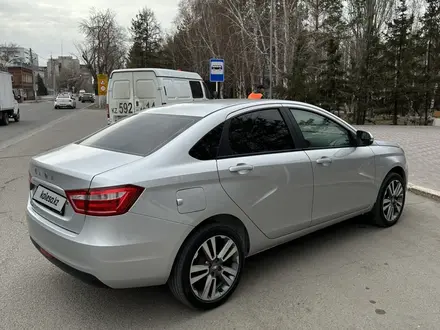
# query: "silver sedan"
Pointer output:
{"type": "Point", "coordinates": [64, 101]}
{"type": "Point", "coordinates": [182, 194]}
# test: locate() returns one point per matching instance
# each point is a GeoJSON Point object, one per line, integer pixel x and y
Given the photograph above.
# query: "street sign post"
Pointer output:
{"type": "Point", "coordinates": [102, 87]}
{"type": "Point", "coordinates": [217, 71]}
{"type": "Point", "coordinates": [102, 84]}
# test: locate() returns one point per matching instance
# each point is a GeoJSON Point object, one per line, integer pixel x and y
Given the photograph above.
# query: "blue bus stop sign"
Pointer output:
{"type": "Point", "coordinates": [216, 70]}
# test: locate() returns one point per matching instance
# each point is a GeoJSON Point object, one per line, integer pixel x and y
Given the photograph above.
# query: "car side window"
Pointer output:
{"type": "Point", "coordinates": [257, 132]}
{"type": "Point", "coordinates": [196, 89]}
{"type": "Point", "coordinates": [208, 146]}
{"type": "Point", "coordinates": [321, 132]}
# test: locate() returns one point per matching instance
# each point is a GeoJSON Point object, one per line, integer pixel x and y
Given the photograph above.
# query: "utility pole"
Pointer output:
{"type": "Point", "coordinates": [52, 65]}
{"type": "Point", "coordinates": [270, 48]}
{"type": "Point", "coordinates": [33, 74]}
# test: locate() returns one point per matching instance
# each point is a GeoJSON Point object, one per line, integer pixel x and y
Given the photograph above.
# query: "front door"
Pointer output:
{"type": "Point", "coordinates": [146, 91]}
{"type": "Point", "coordinates": [343, 173]}
{"type": "Point", "coordinates": [265, 174]}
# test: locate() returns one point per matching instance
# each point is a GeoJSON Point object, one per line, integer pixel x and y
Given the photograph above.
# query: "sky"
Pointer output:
{"type": "Point", "coordinates": [51, 27]}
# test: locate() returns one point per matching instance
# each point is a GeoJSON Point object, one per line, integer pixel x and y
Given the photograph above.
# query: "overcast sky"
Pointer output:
{"type": "Point", "coordinates": [44, 25]}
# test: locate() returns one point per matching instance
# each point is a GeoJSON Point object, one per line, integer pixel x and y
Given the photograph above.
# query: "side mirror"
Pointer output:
{"type": "Point", "coordinates": [364, 138]}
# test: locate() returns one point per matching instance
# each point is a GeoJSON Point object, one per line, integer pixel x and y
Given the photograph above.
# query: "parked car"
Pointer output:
{"type": "Point", "coordinates": [88, 97]}
{"type": "Point", "coordinates": [183, 193]}
{"type": "Point", "coordinates": [64, 101]}
{"type": "Point", "coordinates": [80, 94]}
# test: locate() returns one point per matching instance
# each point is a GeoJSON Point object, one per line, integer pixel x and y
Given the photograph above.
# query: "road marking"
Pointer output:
{"type": "Point", "coordinates": [50, 124]}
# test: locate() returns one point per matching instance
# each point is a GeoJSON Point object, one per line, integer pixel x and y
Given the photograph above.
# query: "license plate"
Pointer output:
{"type": "Point", "coordinates": [49, 198]}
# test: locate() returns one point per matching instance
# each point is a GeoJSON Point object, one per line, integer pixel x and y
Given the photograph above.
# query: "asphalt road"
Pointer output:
{"type": "Point", "coordinates": [34, 116]}
{"type": "Point", "coordinates": [350, 276]}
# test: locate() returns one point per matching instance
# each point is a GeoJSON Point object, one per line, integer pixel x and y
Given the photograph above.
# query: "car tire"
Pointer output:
{"type": "Point", "coordinates": [83, 101]}
{"type": "Point", "coordinates": [17, 116]}
{"type": "Point", "coordinates": [215, 270]}
{"type": "Point", "coordinates": [4, 120]}
{"type": "Point", "coordinates": [390, 201]}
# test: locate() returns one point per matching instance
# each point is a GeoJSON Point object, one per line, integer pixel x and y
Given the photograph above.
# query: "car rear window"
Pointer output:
{"type": "Point", "coordinates": [141, 134]}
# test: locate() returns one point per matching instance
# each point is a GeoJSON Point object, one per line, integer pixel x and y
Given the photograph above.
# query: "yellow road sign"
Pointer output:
{"type": "Point", "coordinates": [102, 84]}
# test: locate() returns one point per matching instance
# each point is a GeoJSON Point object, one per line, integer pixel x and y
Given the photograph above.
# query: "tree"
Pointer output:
{"type": "Point", "coordinates": [331, 80]}
{"type": "Point", "coordinates": [147, 41]}
{"type": "Point", "coordinates": [431, 39]}
{"type": "Point", "coordinates": [399, 57]}
{"type": "Point", "coordinates": [334, 53]}
{"type": "Point", "coordinates": [103, 49]}
{"type": "Point", "coordinates": [8, 51]}
{"type": "Point", "coordinates": [42, 90]}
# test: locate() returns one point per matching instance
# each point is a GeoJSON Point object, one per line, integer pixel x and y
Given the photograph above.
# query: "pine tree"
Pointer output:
{"type": "Point", "coordinates": [431, 41]}
{"type": "Point", "coordinates": [42, 90]}
{"type": "Point", "coordinates": [332, 76]}
{"type": "Point", "coordinates": [298, 81]}
{"type": "Point", "coordinates": [398, 55]}
{"type": "Point", "coordinates": [147, 41]}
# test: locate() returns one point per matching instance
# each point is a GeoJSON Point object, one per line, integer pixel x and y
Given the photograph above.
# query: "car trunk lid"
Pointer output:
{"type": "Point", "coordinates": [68, 168]}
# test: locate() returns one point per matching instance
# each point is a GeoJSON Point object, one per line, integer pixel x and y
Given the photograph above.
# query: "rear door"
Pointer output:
{"type": "Point", "coordinates": [265, 173]}
{"type": "Point", "coordinates": [120, 96]}
{"type": "Point", "coordinates": [146, 91]}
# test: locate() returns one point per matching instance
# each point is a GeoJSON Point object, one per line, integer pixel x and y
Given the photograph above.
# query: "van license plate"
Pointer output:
{"type": "Point", "coordinates": [49, 198]}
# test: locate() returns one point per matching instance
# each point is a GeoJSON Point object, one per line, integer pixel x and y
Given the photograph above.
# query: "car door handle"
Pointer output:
{"type": "Point", "coordinates": [324, 160]}
{"type": "Point", "coordinates": [241, 168]}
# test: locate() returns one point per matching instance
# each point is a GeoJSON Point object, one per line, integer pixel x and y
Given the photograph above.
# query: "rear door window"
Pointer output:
{"type": "Point", "coordinates": [257, 132]}
{"type": "Point", "coordinates": [141, 134]}
{"type": "Point", "coordinates": [121, 89]}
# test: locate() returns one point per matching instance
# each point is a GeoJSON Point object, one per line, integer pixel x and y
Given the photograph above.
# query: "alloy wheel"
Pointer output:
{"type": "Point", "coordinates": [392, 203]}
{"type": "Point", "coordinates": [214, 268]}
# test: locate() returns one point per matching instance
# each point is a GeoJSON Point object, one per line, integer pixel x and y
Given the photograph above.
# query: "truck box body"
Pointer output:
{"type": "Point", "coordinates": [6, 95]}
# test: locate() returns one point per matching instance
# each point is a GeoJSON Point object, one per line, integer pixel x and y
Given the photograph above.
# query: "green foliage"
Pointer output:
{"type": "Point", "coordinates": [42, 90]}
{"type": "Point", "coordinates": [146, 49]}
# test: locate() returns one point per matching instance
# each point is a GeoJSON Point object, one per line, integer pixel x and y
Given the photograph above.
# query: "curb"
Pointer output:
{"type": "Point", "coordinates": [425, 192]}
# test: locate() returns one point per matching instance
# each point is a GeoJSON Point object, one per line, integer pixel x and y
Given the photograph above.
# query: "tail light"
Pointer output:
{"type": "Point", "coordinates": [108, 112]}
{"type": "Point", "coordinates": [104, 201]}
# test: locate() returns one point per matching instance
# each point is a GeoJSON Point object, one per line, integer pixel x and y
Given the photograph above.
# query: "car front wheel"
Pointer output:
{"type": "Point", "coordinates": [208, 268]}
{"type": "Point", "coordinates": [390, 201]}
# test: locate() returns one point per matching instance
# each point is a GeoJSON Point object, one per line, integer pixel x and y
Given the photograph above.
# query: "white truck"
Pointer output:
{"type": "Point", "coordinates": [8, 103]}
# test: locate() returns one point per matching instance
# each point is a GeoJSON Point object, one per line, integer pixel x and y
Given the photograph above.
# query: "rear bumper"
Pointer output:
{"type": "Point", "coordinates": [86, 278]}
{"type": "Point", "coordinates": [118, 252]}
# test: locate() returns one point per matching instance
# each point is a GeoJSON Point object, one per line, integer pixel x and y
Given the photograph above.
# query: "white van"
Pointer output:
{"type": "Point", "coordinates": [133, 90]}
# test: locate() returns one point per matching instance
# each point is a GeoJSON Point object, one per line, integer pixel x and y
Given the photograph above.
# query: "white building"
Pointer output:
{"type": "Point", "coordinates": [62, 63]}
{"type": "Point", "coordinates": [18, 56]}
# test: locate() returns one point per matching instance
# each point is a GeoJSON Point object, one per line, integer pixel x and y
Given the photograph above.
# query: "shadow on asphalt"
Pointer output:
{"type": "Point", "coordinates": [156, 307]}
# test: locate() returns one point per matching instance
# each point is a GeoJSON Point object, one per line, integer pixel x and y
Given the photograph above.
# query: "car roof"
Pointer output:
{"type": "Point", "coordinates": [205, 108]}
{"type": "Point", "coordinates": [163, 73]}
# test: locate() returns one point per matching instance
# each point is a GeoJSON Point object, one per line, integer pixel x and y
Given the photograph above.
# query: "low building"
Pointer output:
{"type": "Point", "coordinates": [22, 81]}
